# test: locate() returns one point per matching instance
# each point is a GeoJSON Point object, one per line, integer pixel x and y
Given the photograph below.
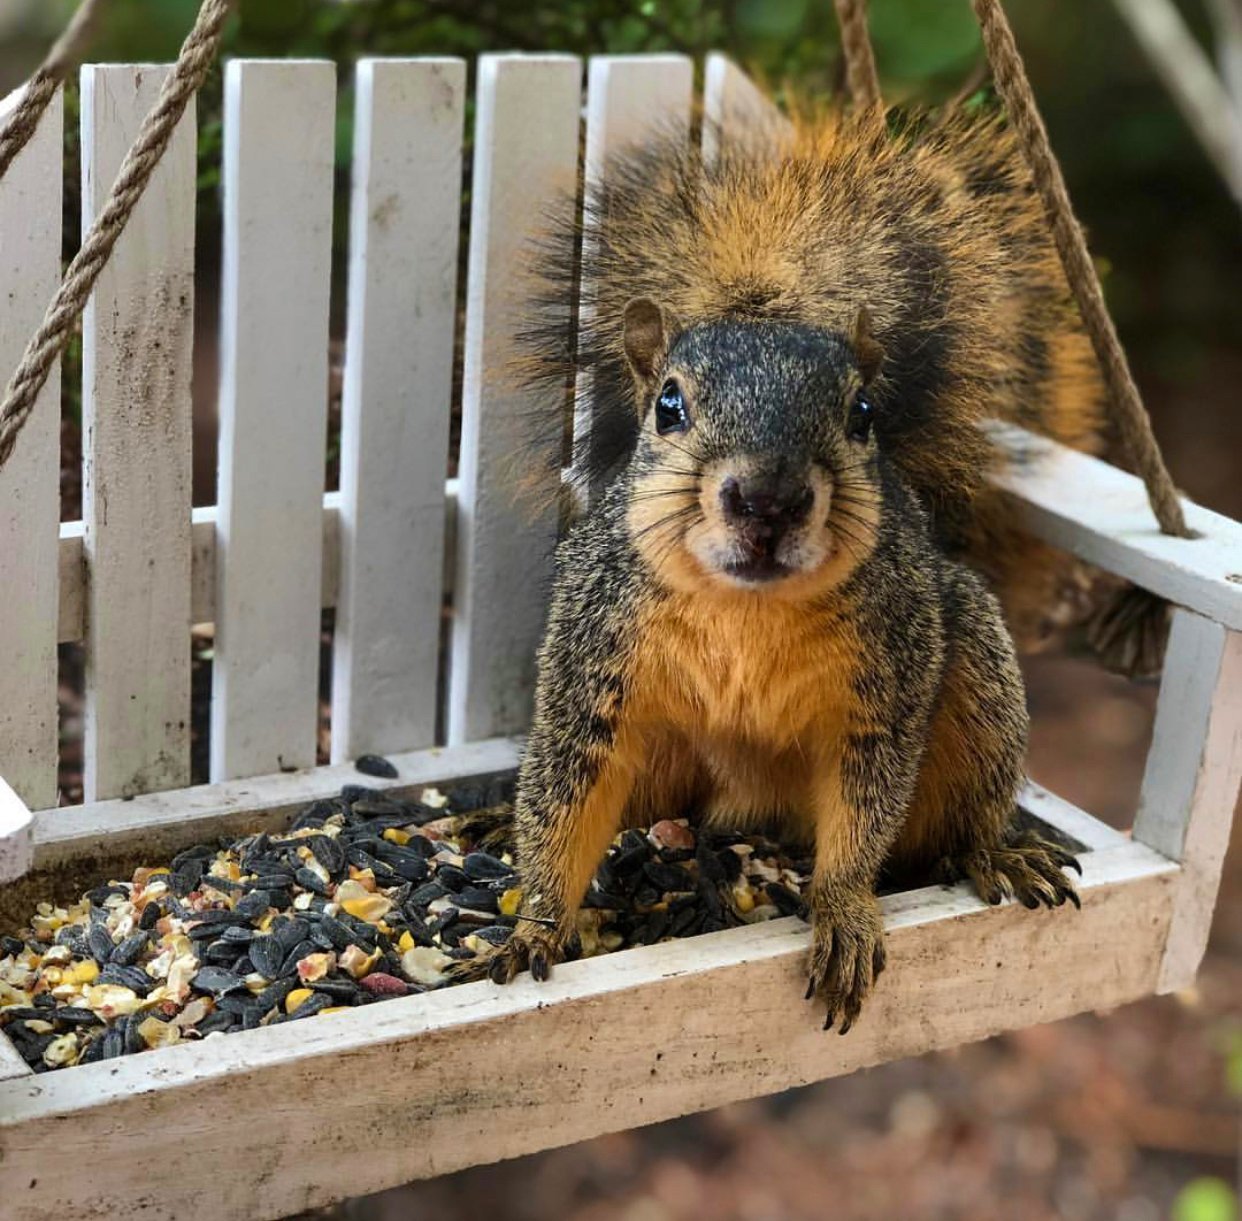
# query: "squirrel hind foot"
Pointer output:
{"type": "Point", "coordinates": [1027, 868]}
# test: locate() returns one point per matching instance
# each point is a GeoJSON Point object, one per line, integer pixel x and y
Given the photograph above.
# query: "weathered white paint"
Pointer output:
{"type": "Point", "coordinates": [278, 171]}
{"type": "Point", "coordinates": [203, 562]}
{"type": "Point", "coordinates": [16, 835]}
{"type": "Point", "coordinates": [1077, 824]}
{"type": "Point", "coordinates": [11, 1063]}
{"type": "Point", "coordinates": [1101, 514]}
{"type": "Point", "coordinates": [1193, 777]}
{"type": "Point", "coordinates": [628, 97]}
{"type": "Point", "coordinates": [525, 157]}
{"type": "Point", "coordinates": [233, 807]}
{"type": "Point", "coordinates": [396, 403]}
{"type": "Point", "coordinates": [30, 230]}
{"type": "Point", "coordinates": [137, 341]}
{"type": "Point", "coordinates": [423, 1086]}
{"type": "Point", "coordinates": [735, 108]}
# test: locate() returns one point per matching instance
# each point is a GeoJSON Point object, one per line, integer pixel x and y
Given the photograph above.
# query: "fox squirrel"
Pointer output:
{"type": "Point", "coordinates": [779, 607]}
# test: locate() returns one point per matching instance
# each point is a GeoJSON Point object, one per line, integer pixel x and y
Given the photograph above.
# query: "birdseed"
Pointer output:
{"type": "Point", "coordinates": [364, 898]}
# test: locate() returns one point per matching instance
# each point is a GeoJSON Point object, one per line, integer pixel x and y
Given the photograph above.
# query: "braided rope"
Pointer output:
{"type": "Point", "coordinates": [860, 71]}
{"type": "Point", "coordinates": [1129, 414]}
{"type": "Point", "coordinates": [195, 59]}
{"type": "Point", "coordinates": [41, 89]}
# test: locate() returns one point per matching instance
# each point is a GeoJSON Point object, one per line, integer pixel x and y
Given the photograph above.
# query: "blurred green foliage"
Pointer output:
{"type": "Point", "coordinates": [1206, 1199]}
{"type": "Point", "coordinates": [1158, 217]}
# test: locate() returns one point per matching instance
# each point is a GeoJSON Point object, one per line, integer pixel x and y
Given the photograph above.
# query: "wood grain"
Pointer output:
{"type": "Point", "coordinates": [137, 358]}
{"type": "Point", "coordinates": [30, 231]}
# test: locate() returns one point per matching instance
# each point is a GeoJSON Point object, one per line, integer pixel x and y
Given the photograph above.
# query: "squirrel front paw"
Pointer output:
{"type": "Point", "coordinates": [847, 955]}
{"type": "Point", "coordinates": [532, 946]}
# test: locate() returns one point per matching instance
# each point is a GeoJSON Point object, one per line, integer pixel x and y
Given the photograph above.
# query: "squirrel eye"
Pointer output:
{"type": "Point", "coordinates": [862, 414]}
{"type": "Point", "coordinates": [670, 410]}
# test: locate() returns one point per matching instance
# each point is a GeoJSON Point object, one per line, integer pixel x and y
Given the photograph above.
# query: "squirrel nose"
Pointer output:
{"type": "Point", "coordinates": [773, 504]}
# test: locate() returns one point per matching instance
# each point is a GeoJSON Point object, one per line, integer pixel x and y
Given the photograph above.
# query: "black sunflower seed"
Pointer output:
{"type": "Point", "coordinates": [223, 954]}
{"type": "Point", "coordinates": [309, 880]}
{"type": "Point", "coordinates": [289, 932]}
{"type": "Point", "coordinates": [274, 994]}
{"type": "Point", "coordinates": [237, 1003]}
{"type": "Point", "coordinates": [336, 932]}
{"type": "Point", "coordinates": [129, 951]}
{"type": "Point", "coordinates": [150, 916]}
{"type": "Point", "coordinates": [134, 1041]}
{"type": "Point", "coordinates": [273, 881]}
{"type": "Point", "coordinates": [185, 879]}
{"type": "Point", "coordinates": [337, 987]}
{"type": "Point", "coordinates": [268, 956]}
{"type": "Point", "coordinates": [429, 893]}
{"type": "Point", "coordinates": [253, 905]}
{"type": "Point", "coordinates": [199, 852]}
{"type": "Point", "coordinates": [101, 894]}
{"type": "Point", "coordinates": [452, 878]}
{"type": "Point", "coordinates": [218, 981]}
{"type": "Point", "coordinates": [479, 899]}
{"type": "Point", "coordinates": [494, 934]}
{"type": "Point", "coordinates": [480, 865]}
{"type": "Point", "coordinates": [113, 1044]}
{"type": "Point", "coordinates": [312, 1005]}
{"type": "Point", "coordinates": [786, 901]}
{"type": "Point", "coordinates": [13, 945]}
{"type": "Point", "coordinates": [329, 854]}
{"type": "Point", "coordinates": [101, 943]}
{"type": "Point", "coordinates": [216, 1021]}
{"type": "Point", "coordinates": [302, 950]}
{"type": "Point", "coordinates": [375, 765]}
{"type": "Point", "coordinates": [93, 1051]}
{"type": "Point", "coordinates": [72, 1015]}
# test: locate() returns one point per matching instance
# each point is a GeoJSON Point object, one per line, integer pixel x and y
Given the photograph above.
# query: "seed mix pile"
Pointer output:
{"type": "Point", "coordinates": [365, 897]}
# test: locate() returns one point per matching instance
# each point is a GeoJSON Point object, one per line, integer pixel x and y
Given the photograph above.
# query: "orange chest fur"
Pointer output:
{"type": "Point", "coordinates": [744, 668]}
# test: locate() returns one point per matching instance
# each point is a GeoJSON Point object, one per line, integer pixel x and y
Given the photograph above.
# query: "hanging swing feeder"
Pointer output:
{"type": "Point", "coordinates": [432, 1083]}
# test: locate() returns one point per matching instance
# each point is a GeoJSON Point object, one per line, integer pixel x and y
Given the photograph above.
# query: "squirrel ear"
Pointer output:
{"type": "Point", "coordinates": [867, 351]}
{"type": "Point", "coordinates": [646, 336]}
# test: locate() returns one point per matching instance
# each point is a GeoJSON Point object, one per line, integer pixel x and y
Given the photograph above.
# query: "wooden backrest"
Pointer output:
{"type": "Point", "coordinates": [396, 549]}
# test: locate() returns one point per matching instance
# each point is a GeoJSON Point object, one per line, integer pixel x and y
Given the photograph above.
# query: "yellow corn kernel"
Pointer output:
{"type": "Point", "coordinates": [405, 941]}
{"type": "Point", "coordinates": [370, 909]}
{"type": "Point", "coordinates": [510, 901]}
{"type": "Point", "coordinates": [395, 835]}
{"type": "Point", "coordinates": [85, 972]}
{"type": "Point", "coordinates": [335, 1009]}
{"type": "Point", "coordinates": [297, 997]}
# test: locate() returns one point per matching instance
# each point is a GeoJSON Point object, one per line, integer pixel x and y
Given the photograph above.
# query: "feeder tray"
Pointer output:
{"type": "Point", "coordinates": [267, 1122]}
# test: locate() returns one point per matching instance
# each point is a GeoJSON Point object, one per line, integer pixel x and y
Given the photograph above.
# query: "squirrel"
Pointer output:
{"type": "Point", "coordinates": [754, 622]}
{"type": "Point", "coordinates": [797, 597]}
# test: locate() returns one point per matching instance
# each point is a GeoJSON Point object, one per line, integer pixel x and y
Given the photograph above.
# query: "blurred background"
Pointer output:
{"type": "Point", "coordinates": [1134, 1114]}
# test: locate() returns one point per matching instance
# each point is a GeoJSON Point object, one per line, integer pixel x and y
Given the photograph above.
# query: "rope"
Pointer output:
{"type": "Point", "coordinates": [196, 57]}
{"type": "Point", "coordinates": [66, 51]}
{"type": "Point", "coordinates": [1129, 414]}
{"type": "Point", "coordinates": [860, 73]}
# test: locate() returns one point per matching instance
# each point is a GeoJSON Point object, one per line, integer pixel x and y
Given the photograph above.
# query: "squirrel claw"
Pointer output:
{"type": "Point", "coordinates": [533, 946]}
{"type": "Point", "coordinates": [847, 955]}
{"type": "Point", "coordinates": [1028, 868]}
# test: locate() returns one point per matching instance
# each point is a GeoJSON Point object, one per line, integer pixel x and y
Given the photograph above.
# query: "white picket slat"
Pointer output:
{"type": "Point", "coordinates": [734, 107]}
{"type": "Point", "coordinates": [30, 229]}
{"type": "Point", "coordinates": [137, 342]}
{"type": "Point", "coordinates": [525, 157]}
{"type": "Point", "coordinates": [628, 97]}
{"type": "Point", "coordinates": [278, 176]}
{"type": "Point", "coordinates": [395, 411]}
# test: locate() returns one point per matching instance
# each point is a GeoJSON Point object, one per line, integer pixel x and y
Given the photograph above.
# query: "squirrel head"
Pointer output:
{"type": "Point", "coordinates": [756, 469]}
